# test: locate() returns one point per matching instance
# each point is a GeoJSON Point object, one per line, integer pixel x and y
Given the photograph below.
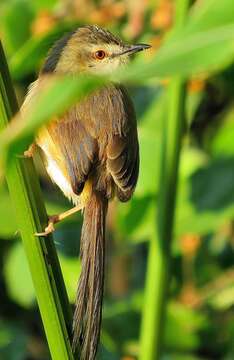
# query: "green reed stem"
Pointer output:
{"type": "Point", "coordinates": [42, 258]}
{"type": "Point", "coordinates": [157, 277]}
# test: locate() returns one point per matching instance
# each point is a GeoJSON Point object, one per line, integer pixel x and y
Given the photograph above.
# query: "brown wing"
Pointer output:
{"type": "Point", "coordinates": [104, 126]}
{"type": "Point", "coordinates": [123, 151]}
{"type": "Point", "coordinates": [78, 148]}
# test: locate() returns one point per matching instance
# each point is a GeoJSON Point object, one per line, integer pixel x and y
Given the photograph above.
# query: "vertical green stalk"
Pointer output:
{"type": "Point", "coordinates": [31, 215]}
{"type": "Point", "coordinates": [157, 277]}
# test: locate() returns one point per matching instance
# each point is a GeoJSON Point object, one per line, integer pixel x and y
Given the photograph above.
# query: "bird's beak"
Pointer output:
{"type": "Point", "coordinates": [132, 49]}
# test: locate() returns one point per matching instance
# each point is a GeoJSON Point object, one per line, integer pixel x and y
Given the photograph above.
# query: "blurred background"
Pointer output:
{"type": "Point", "coordinates": [200, 315]}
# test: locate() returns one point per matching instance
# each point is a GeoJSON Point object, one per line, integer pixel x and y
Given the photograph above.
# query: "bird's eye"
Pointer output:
{"type": "Point", "coordinates": [100, 54]}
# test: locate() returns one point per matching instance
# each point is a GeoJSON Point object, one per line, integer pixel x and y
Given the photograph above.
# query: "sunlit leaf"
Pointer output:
{"type": "Point", "coordinates": [221, 143]}
{"type": "Point", "coordinates": [224, 298]}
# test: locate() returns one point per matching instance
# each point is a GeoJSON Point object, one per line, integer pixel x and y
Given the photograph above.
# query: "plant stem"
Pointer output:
{"type": "Point", "coordinates": [31, 215]}
{"type": "Point", "coordinates": [157, 277]}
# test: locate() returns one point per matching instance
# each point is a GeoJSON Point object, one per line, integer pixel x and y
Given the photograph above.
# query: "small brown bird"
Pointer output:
{"type": "Point", "coordinates": [92, 154]}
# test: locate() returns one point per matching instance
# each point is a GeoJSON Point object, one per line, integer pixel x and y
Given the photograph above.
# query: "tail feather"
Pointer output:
{"type": "Point", "coordinates": [88, 311]}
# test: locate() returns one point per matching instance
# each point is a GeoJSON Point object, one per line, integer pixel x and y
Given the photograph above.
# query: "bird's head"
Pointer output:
{"type": "Point", "coordinates": [89, 49]}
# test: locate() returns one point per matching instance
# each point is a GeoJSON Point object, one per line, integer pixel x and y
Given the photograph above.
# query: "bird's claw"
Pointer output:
{"type": "Point", "coordinates": [30, 151]}
{"type": "Point", "coordinates": [50, 227]}
{"type": "Point", "coordinates": [28, 154]}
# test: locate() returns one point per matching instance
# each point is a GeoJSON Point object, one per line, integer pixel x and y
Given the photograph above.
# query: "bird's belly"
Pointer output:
{"type": "Point", "coordinates": [57, 176]}
{"type": "Point", "coordinates": [55, 166]}
{"type": "Point", "coordinates": [57, 171]}
{"type": "Point", "coordinates": [59, 179]}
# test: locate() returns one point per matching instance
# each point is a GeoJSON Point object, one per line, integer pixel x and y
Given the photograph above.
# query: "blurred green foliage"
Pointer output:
{"type": "Point", "coordinates": [200, 317]}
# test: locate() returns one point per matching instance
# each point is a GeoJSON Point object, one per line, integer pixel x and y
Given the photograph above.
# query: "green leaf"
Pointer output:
{"type": "Point", "coordinates": [192, 159]}
{"type": "Point", "coordinates": [18, 279]}
{"type": "Point", "coordinates": [212, 187]}
{"type": "Point", "coordinates": [150, 137]}
{"type": "Point", "coordinates": [16, 24]}
{"type": "Point", "coordinates": [221, 143]}
{"type": "Point", "coordinates": [43, 4]}
{"type": "Point", "coordinates": [148, 176]}
{"type": "Point", "coordinates": [209, 14]}
{"type": "Point", "coordinates": [223, 299]}
{"type": "Point", "coordinates": [8, 225]}
{"type": "Point", "coordinates": [193, 101]}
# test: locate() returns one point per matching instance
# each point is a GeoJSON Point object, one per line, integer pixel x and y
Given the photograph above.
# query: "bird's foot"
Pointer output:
{"type": "Point", "coordinates": [56, 218]}
{"type": "Point", "coordinates": [30, 152]}
{"type": "Point", "coordinates": [50, 227]}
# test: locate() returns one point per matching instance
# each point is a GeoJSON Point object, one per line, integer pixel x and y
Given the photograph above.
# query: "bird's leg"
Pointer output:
{"type": "Point", "coordinates": [31, 150]}
{"type": "Point", "coordinates": [54, 219]}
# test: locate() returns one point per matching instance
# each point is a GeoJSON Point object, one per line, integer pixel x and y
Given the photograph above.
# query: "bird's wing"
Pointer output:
{"type": "Point", "coordinates": [67, 137]}
{"type": "Point", "coordinates": [78, 148]}
{"type": "Point", "coordinates": [123, 151]}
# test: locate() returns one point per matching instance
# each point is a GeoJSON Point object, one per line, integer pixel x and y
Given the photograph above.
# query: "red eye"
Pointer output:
{"type": "Point", "coordinates": [100, 54]}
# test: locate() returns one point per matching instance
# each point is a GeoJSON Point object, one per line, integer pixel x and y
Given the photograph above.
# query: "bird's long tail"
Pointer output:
{"type": "Point", "coordinates": [88, 311]}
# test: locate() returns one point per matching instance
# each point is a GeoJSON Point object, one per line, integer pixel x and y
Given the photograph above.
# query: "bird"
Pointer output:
{"type": "Point", "coordinates": [92, 154]}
